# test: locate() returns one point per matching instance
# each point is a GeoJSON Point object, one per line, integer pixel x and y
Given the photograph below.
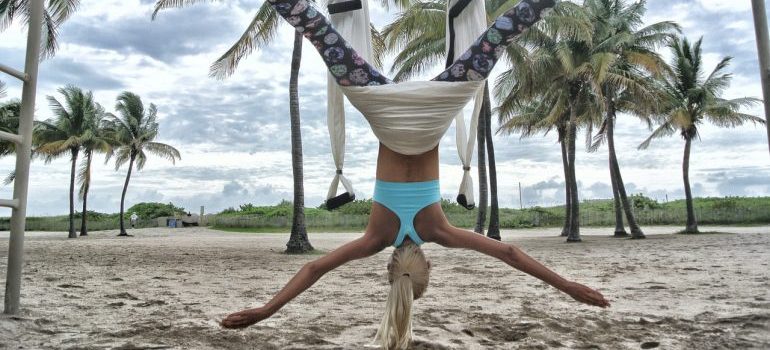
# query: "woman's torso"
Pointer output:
{"type": "Point", "coordinates": [396, 167]}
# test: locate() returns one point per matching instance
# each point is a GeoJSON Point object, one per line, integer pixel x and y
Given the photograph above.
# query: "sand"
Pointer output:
{"type": "Point", "coordinates": [167, 289]}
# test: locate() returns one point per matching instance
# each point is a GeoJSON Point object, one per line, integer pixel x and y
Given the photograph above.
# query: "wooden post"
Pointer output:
{"type": "Point", "coordinates": [763, 48]}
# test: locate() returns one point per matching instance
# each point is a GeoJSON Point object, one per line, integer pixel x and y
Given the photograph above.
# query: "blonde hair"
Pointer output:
{"type": "Point", "coordinates": [408, 274]}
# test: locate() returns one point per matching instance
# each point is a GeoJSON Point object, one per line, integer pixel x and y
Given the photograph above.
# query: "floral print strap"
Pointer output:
{"type": "Point", "coordinates": [350, 69]}
{"type": "Point", "coordinates": [344, 63]}
{"type": "Point", "coordinates": [477, 62]}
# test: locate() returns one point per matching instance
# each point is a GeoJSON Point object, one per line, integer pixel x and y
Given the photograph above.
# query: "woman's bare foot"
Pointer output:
{"type": "Point", "coordinates": [243, 319]}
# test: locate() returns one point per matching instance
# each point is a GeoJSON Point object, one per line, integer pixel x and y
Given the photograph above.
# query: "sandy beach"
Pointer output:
{"type": "Point", "coordinates": [167, 289]}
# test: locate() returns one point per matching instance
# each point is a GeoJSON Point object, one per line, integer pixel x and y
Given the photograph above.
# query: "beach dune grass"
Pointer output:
{"type": "Point", "coordinates": [354, 216]}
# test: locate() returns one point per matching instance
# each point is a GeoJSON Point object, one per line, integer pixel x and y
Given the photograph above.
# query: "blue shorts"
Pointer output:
{"type": "Point", "coordinates": [406, 199]}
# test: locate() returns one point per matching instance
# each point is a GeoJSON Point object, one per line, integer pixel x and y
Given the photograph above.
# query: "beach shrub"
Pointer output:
{"type": "Point", "coordinates": [640, 201]}
{"type": "Point", "coordinates": [94, 215]}
{"type": "Point", "coordinates": [356, 207]}
{"type": "Point", "coordinates": [152, 210]}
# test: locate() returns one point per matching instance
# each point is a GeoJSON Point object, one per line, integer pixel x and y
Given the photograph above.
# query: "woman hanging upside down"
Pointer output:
{"type": "Point", "coordinates": [406, 211]}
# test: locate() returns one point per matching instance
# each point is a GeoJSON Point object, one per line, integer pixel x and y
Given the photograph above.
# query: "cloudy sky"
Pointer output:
{"type": "Point", "coordinates": [234, 134]}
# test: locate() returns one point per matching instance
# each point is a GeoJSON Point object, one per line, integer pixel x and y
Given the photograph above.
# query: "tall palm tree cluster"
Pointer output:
{"type": "Point", "coordinates": [565, 77]}
{"type": "Point", "coordinates": [82, 127]}
{"type": "Point", "coordinates": [577, 70]}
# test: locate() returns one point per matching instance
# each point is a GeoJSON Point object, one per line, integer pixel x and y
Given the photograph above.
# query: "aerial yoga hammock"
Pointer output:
{"type": "Point", "coordinates": [409, 119]}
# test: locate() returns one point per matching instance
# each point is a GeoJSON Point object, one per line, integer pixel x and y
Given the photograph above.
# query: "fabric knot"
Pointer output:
{"type": "Point", "coordinates": [339, 171]}
{"type": "Point", "coordinates": [467, 168]}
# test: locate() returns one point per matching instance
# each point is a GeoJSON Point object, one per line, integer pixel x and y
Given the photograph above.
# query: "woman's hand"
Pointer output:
{"type": "Point", "coordinates": [245, 318]}
{"type": "Point", "coordinates": [586, 295]}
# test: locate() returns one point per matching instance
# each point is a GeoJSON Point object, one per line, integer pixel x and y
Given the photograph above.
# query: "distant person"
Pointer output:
{"type": "Point", "coordinates": [134, 218]}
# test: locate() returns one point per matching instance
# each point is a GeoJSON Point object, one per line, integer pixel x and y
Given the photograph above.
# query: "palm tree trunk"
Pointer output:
{"type": "Point", "coordinates": [636, 231]}
{"type": "Point", "coordinates": [494, 211]}
{"type": "Point", "coordinates": [123, 197]}
{"type": "Point", "coordinates": [567, 186]}
{"type": "Point", "coordinates": [73, 233]}
{"type": "Point", "coordinates": [574, 224]}
{"type": "Point", "coordinates": [298, 240]}
{"type": "Point", "coordinates": [481, 215]}
{"type": "Point", "coordinates": [692, 225]}
{"type": "Point", "coordinates": [620, 230]}
{"type": "Point", "coordinates": [86, 185]}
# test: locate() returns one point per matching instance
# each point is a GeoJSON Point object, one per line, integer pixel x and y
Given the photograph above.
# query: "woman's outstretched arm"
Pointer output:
{"type": "Point", "coordinates": [453, 237]}
{"type": "Point", "coordinates": [310, 273]}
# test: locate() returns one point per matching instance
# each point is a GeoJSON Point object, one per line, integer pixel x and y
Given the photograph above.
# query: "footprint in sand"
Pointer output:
{"type": "Point", "coordinates": [650, 345]}
{"type": "Point", "coordinates": [151, 303]}
{"type": "Point", "coordinates": [123, 295]}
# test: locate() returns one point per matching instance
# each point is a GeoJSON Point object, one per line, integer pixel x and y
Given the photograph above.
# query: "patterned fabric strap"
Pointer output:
{"type": "Point", "coordinates": [350, 69]}
{"type": "Point", "coordinates": [477, 62]}
{"type": "Point", "coordinates": [344, 63]}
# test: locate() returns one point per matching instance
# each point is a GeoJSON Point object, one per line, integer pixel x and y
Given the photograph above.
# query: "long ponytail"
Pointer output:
{"type": "Point", "coordinates": [408, 276]}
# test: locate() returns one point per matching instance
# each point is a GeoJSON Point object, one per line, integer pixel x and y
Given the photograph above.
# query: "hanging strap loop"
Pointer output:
{"type": "Point", "coordinates": [466, 19]}
{"type": "Point", "coordinates": [354, 26]}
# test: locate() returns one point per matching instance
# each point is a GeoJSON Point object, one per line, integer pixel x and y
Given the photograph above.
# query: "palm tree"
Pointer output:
{"type": "Point", "coordinates": [55, 13]}
{"type": "Point", "coordinates": [481, 138]}
{"type": "Point", "coordinates": [298, 240]}
{"type": "Point", "coordinates": [493, 230]}
{"type": "Point", "coordinates": [95, 139]}
{"type": "Point", "coordinates": [133, 132]}
{"type": "Point", "coordinates": [549, 84]}
{"type": "Point", "coordinates": [64, 134]}
{"type": "Point", "coordinates": [9, 121]}
{"type": "Point", "coordinates": [631, 57]}
{"type": "Point", "coordinates": [260, 33]}
{"type": "Point", "coordinates": [689, 99]}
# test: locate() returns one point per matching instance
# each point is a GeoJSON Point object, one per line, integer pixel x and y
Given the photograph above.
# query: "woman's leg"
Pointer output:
{"type": "Point", "coordinates": [433, 226]}
{"type": "Point", "coordinates": [344, 63]}
{"type": "Point", "coordinates": [380, 233]}
{"type": "Point", "coordinates": [477, 62]}
{"type": "Point", "coordinates": [307, 276]}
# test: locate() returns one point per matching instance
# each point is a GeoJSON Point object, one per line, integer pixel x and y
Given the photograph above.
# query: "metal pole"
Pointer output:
{"type": "Point", "coordinates": [763, 48]}
{"type": "Point", "coordinates": [521, 204]}
{"type": "Point", "coordinates": [23, 153]}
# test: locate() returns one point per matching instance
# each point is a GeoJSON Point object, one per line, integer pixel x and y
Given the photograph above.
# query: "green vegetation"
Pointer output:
{"type": "Point", "coordinates": [151, 210]}
{"type": "Point", "coordinates": [147, 213]}
{"type": "Point", "coordinates": [713, 211]}
{"type": "Point", "coordinates": [354, 216]}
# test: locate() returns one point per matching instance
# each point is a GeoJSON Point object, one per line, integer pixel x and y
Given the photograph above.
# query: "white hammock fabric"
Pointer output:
{"type": "Point", "coordinates": [410, 117]}
{"type": "Point", "coordinates": [468, 25]}
{"type": "Point", "coordinates": [354, 26]}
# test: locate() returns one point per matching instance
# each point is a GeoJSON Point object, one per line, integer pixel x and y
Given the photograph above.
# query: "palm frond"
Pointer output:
{"type": "Point", "coordinates": [167, 4]}
{"type": "Point", "coordinates": [9, 178]}
{"type": "Point", "coordinates": [262, 29]}
{"type": "Point", "coordinates": [163, 150]}
{"type": "Point", "coordinates": [663, 130]}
